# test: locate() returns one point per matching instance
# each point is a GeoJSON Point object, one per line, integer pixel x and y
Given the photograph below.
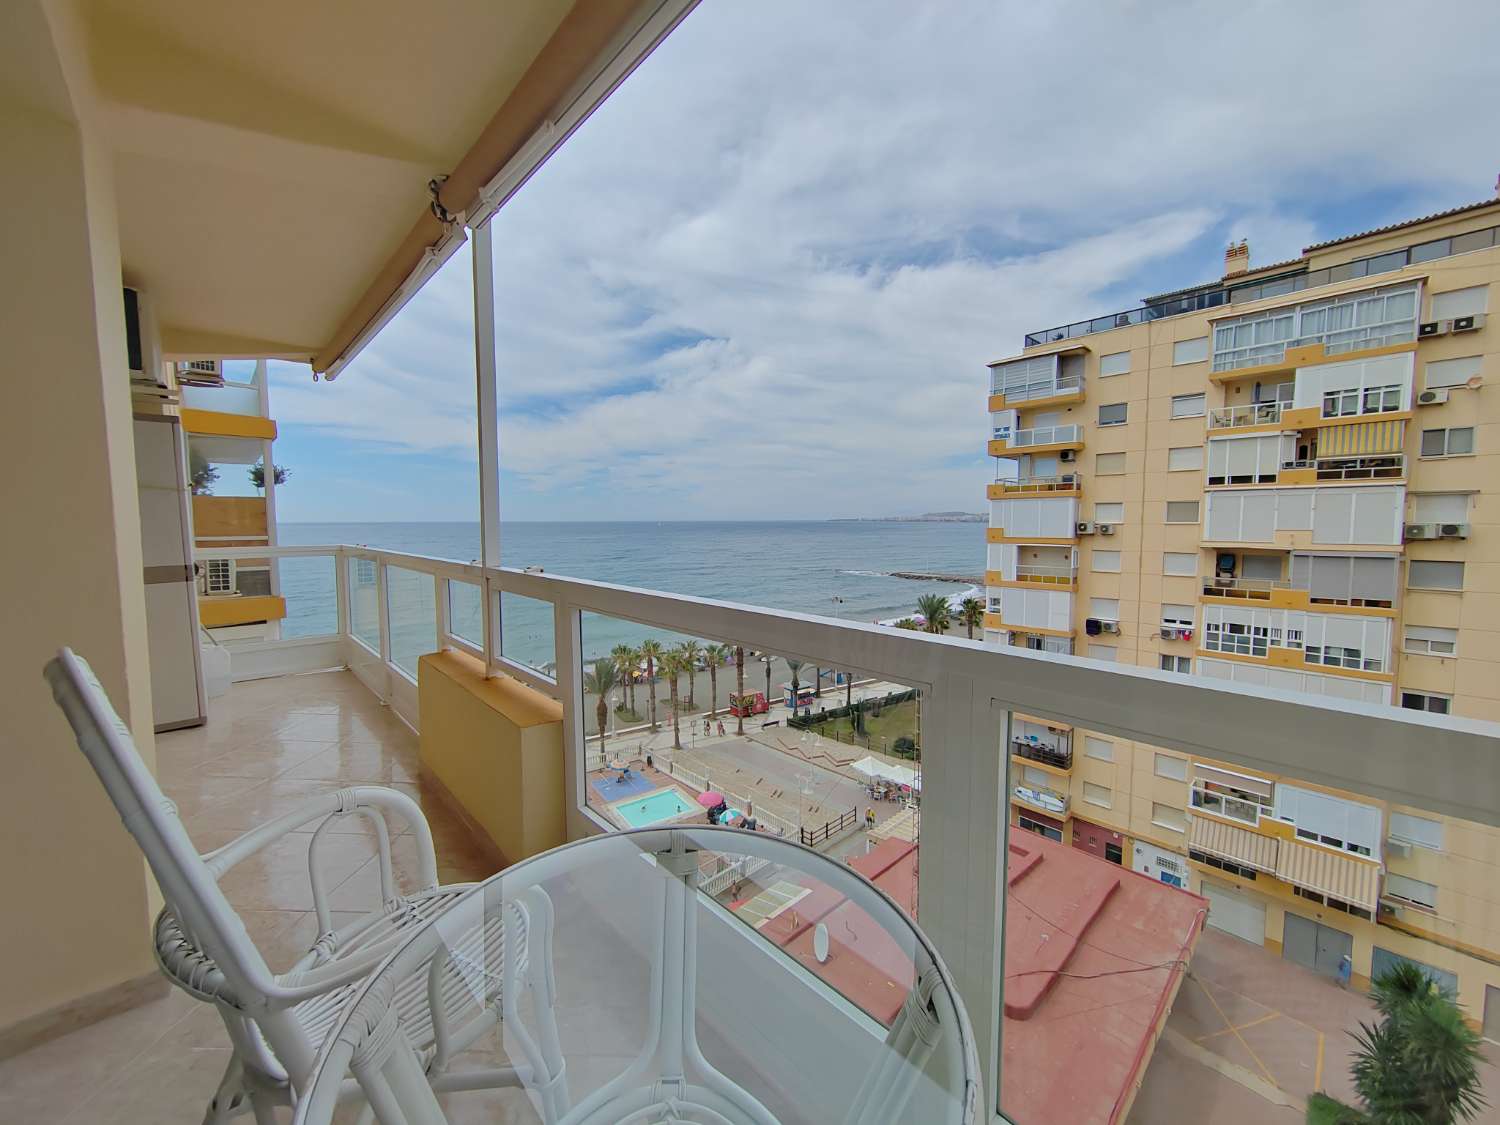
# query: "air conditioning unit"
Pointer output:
{"type": "Point", "coordinates": [1105, 528]}
{"type": "Point", "coordinates": [200, 372]}
{"type": "Point", "coordinates": [1394, 846]}
{"type": "Point", "coordinates": [1433, 328]}
{"type": "Point", "coordinates": [1110, 627]}
{"type": "Point", "coordinates": [1471, 323]}
{"type": "Point", "coordinates": [1389, 909]}
{"type": "Point", "coordinates": [1067, 456]}
{"type": "Point", "coordinates": [1086, 527]}
{"type": "Point", "coordinates": [218, 577]}
{"type": "Point", "coordinates": [1420, 531]}
{"type": "Point", "coordinates": [1453, 531]}
{"type": "Point", "coordinates": [1433, 398]}
{"type": "Point", "coordinates": [1168, 633]}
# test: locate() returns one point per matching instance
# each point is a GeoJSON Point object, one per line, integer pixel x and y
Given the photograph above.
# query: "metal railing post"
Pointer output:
{"type": "Point", "coordinates": [383, 617]}
{"type": "Point", "coordinates": [488, 436]}
{"type": "Point", "coordinates": [567, 637]}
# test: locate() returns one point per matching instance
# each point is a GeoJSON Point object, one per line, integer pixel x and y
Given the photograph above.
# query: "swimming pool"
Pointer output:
{"type": "Point", "coordinates": [664, 804]}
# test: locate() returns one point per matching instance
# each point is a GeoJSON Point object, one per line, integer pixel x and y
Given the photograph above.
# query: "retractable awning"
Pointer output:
{"type": "Point", "coordinates": [1328, 872]}
{"type": "Point", "coordinates": [1237, 844]}
{"type": "Point", "coordinates": [1361, 438]}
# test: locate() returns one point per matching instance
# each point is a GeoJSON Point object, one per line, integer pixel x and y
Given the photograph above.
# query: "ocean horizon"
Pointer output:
{"type": "Point", "coordinates": [837, 567]}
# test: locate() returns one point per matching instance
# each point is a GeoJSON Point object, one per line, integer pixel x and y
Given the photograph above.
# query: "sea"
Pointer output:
{"type": "Point", "coordinates": [838, 568]}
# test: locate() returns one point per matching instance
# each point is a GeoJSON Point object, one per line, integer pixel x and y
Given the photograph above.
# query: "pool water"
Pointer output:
{"type": "Point", "coordinates": [664, 804]}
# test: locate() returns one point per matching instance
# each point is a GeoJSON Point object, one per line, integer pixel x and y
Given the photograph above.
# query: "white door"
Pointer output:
{"type": "Point", "coordinates": [1235, 913]}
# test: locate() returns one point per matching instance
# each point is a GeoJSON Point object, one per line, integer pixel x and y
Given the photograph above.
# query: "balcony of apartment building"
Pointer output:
{"type": "Point", "coordinates": [1038, 475]}
{"type": "Point", "coordinates": [1318, 846]}
{"type": "Point", "coordinates": [1055, 379]}
{"type": "Point", "coordinates": [1012, 564]}
{"type": "Point", "coordinates": [460, 686]}
{"type": "Point", "coordinates": [1036, 742]}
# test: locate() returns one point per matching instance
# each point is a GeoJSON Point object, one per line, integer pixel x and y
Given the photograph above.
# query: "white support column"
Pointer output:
{"type": "Point", "coordinates": [567, 635]}
{"type": "Point", "coordinates": [488, 413]}
{"type": "Point", "coordinates": [440, 610]}
{"type": "Point", "coordinates": [341, 589]}
{"type": "Point", "coordinates": [268, 476]}
{"type": "Point", "coordinates": [961, 873]}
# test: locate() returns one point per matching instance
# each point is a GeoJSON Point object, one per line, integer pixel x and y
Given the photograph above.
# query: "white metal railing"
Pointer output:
{"type": "Point", "coordinates": [1065, 482]}
{"type": "Point", "coordinates": [968, 691]}
{"type": "Point", "coordinates": [1040, 435]}
{"type": "Point", "coordinates": [1381, 466]}
{"type": "Point", "coordinates": [721, 880]}
{"type": "Point", "coordinates": [1251, 414]}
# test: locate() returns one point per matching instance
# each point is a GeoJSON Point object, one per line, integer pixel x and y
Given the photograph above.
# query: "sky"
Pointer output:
{"type": "Point", "coordinates": [765, 278]}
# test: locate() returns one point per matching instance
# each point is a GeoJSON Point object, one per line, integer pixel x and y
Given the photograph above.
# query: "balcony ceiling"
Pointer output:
{"type": "Point", "coordinates": [271, 160]}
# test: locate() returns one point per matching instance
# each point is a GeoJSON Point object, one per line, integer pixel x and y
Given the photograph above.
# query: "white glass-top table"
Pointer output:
{"type": "Point", "coordinates": [683, 974]}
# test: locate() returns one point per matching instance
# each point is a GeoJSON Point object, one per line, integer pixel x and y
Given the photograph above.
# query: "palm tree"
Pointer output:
{"type": "Point", "coordinates": [690, 652]}
{"type": "Point", "coordinates": [627, 660]}
{"type": "Point", "coordinates": [795, 667]}
{"type": "Point", "coordinates": [1417, 1065]}
{"type": "Point", "coordinates": [848, 688]}
{"type": "Point", "coordinates": [715, 657]}
{"type": "Point", "coordinates": [739, 685]}
{"type": "Point", "coordinates": [908, 623]}
{"type": "Point", "coordinates": [934, 610]}
{"type": "Point", "coordinates": [653, 652]}
{"type": "Point", "coordinates": [671, 666]}
{"type": "Point", "coordinates": [600, 681]}
{"type": "Point", "coordinates": [971, 615]}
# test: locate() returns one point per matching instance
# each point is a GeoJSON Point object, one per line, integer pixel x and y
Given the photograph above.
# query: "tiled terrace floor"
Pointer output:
{"type": "Point", "coordinates": [268, 745]}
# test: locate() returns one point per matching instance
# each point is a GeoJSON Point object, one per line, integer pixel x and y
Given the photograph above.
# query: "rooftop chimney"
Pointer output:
{"type": "Point", "coordinates": [1236, 258]}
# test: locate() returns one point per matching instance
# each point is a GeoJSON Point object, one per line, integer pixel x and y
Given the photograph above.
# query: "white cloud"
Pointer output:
{"type": "Point", "coordinates": [831, 217]}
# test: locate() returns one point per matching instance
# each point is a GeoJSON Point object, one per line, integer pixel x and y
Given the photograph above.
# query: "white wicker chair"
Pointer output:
{"type": "Point", "coordinates": [276, 1022]}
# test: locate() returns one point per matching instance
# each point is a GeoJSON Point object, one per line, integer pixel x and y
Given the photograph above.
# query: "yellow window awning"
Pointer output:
{"type": "Point", "coordinates": [1328, 872]}
{"type": "Point", "coordinates": [1361, 438]}
{"type": "Point", "coordinates": [1238, 844]}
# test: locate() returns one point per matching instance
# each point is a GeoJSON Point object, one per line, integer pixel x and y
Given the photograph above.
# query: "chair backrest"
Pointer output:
{"type": "Point", "coordinates": [189, 887]}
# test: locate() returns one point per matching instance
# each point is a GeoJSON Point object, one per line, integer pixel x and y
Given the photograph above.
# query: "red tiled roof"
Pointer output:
{"type": "Point", "coordinates": [1094, 955]}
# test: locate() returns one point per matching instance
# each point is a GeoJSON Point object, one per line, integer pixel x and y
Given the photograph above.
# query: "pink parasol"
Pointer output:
{"type": "Point", "coordinates": [710, 799]}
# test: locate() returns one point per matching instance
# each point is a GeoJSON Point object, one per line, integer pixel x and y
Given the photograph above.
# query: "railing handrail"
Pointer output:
{"type": "Point", "coordinates": [1040, 484]}
{"type": "Point", "coordinates": [1363, 748]}
{"type": "Point", "coordinates": [1259, 413]}
{"type": "Point", "coordinates": [1067, 432]}
{"type": "Point", "coordinates": [1212, 581]}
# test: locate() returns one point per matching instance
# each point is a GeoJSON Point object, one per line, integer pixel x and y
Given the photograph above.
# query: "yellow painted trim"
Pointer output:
{"type": "Point", "coordinates": [997, 535]}
{"type": "Point", "coordinates": [1261, 428]}
{"type": "Point", "coordinates": [218, 613]}
{"type": "Point", "coordinates": [993, 621]}
{"type": "Point", "coordinates": [523, 706]}
{"type": "Point", "coordinates": [1294, 659]}
{"type": "Point", "coordinates": [1309, 355]}
{"type": "Point", "coordinates": [997, 402]}
{"type": "Point", "coordinates": [1298, 476]}
{"type": "Point", "coordinates": [214, 423]}
{"type": "Point", "coordinates": [999, 448]}
{"type": "Point", "coordinates": [1029, 583]}
{"type": "Point", "coordinates": [999, 491]}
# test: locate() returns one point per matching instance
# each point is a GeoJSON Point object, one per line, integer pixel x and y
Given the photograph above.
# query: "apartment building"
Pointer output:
{"type": "Point", "coordinates": [1285, 478]}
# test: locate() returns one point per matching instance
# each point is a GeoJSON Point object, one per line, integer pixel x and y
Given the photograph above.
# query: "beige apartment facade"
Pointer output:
{"type": "Point", "coordinates": [1286, 479]}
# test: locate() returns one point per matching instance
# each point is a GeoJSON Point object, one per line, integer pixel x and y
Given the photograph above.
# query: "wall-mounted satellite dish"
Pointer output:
{"type": "Point", "coordinates": [820, 942]}
{"type": "Point", "coordinates": [1474, 382]}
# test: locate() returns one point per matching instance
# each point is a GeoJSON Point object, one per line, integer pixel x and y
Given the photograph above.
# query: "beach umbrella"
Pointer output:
{"type": "Point", "coordinates": [709, 799]}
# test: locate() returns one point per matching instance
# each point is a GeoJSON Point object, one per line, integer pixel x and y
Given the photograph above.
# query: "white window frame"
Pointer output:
{"type": "Point", "coordinates": [1093, 742]}
{"type": "Point", "coordinates": [1156, 806]}
{"type": "Point", "coordinates": [1096, 557]}
{"type": "Point", "coordinates": [1418, 831]}
{"type": "Point", "coordinates": [1197, 513]}
{"type": "Point", "coordinates": [1447, 433]}
{"type": "Point", "coordinates": [1427, 698]}
{"type": "Point", "coordinates": [1185, 352]}
{"type": "Point", "coordinates": [1197, 461]}
{"type": "Point", "coordinates": [1471, 300]}
{"type": "Point", "coordinates": [1182, 665]}
{"type": "Point", "coordinates": [1193, 405]}
{"type": "Point", "coordinates": [1177, 763]}
{"type": "Point", "coordinates": [1462, 575]}
{"type": "Point", "coordinates": [1113, 368]}
{"type": "Point", "coordinates": [1105, 515]}
{"type": "Point", "coordinates": [1123, 407]}
{"type": "Point", "coordinates": [1191, 572]}
{"type": "Point", "coordinates": [1109, 653]}
{"type": "Point", "coordinates": [1414, 643]}
{"type": "Point", "coordinates": [1396, 884]}
{"type": "Point", "coordinates": [1108, 801]}
{"type": "Point", "coordinates": [1173, 617]}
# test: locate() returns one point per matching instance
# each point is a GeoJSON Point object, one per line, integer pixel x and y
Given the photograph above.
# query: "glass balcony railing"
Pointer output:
{"type": "Point", "coordinates": [1015, 391]}
{"type": "Point", "coordinates": [759, 724]}
{"type": "Point", "coordinates": [1273, 287]}
{"type": "Point", "coordinates": [1040, 435]}
{"type": "Point", "coordinates": [1063, 483]}
{"type": "Point", "coordinates": [1251, 414]}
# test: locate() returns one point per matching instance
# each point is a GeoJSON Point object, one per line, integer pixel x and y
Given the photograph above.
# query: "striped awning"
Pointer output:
{"type": "Point", "coordinates": [1361, 438]}
{"type": "Point", "coordinates": [1238, 844]}
{"type": "Point", "coordinates": [1329, 872]}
